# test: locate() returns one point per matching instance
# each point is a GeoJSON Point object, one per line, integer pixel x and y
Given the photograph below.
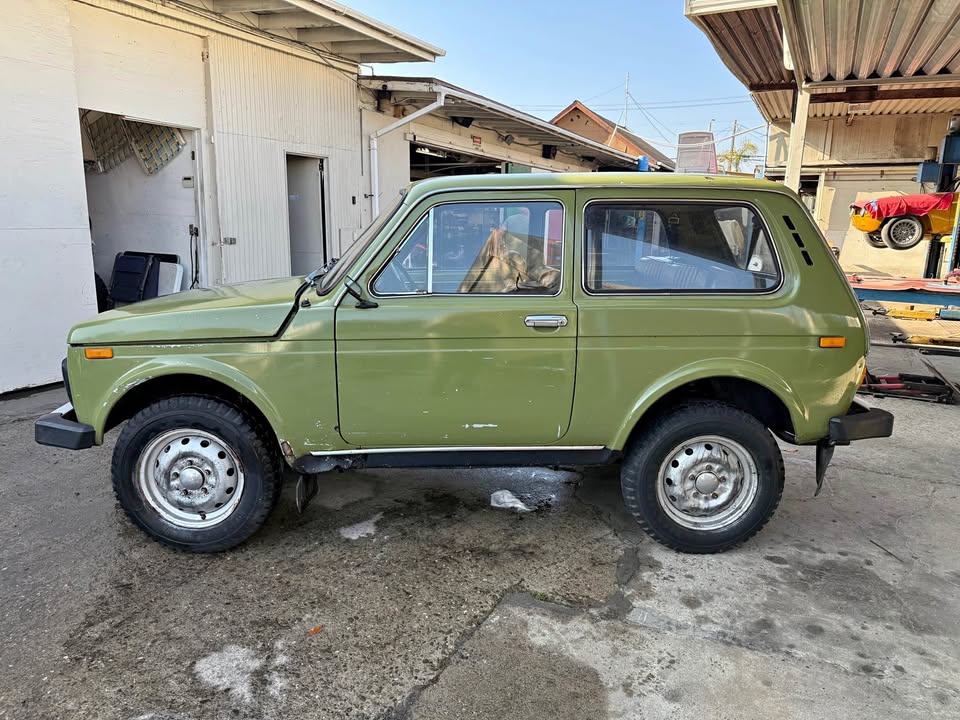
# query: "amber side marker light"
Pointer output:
{"type": "Point", "coordinates": [98, 353]}
{"type": "Point", "coordinates": [833, 342]}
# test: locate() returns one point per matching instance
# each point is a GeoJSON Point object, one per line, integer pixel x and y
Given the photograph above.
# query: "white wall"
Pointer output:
{"type": "Point", "coordinates": [868, 139]}
{"type": "Point", "coordinates": [266, 104]}
{"type": "Point", "coordinates": [130, 210]}
{"type": "Point", "coordinates": [46, 268]}
{"type": "Point", "coordinates": [127, 67]}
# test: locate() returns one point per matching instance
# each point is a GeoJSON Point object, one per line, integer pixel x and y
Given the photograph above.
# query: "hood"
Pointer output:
{"type": "Point", "coordinates": [244, 310]}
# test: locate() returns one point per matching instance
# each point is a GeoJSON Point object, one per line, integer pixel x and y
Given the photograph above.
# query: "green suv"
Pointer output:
{"type": "Point", "coordinates": [672, 324]}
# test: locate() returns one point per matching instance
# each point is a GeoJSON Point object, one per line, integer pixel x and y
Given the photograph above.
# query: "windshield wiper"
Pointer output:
{"type": "Point", "coordinates": [321, 271]}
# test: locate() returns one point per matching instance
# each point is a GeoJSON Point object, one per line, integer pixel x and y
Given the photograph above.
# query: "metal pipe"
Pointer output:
{"type": "Point", "coordinates": [375, 136]}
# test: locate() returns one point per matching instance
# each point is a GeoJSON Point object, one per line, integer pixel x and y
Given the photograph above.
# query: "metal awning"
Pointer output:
{"type": "Point", "coordinates": [326, 26]}
{"type": "Point", "coordinates": [461, 105]}
{"type": "Point", "coordinates": [862, 57]}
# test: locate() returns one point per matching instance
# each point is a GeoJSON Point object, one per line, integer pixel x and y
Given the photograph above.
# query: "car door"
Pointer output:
{"type": "Point", "coordinates": [473, 338]}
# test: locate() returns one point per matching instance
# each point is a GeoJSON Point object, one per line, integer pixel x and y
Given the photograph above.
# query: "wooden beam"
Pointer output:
{"type": "Point", "coordinates": [384, 57]}
{"type": "Point", "coordinates": [355, 47]}
{"type": "Point", "coordinates": [225, 7]}
{"type": "Point", "coordinates": [284, 20]}
{"type": "Point", "coordinates": [329, 34]}
{"type": "Point", "coordinates": [867, 94]}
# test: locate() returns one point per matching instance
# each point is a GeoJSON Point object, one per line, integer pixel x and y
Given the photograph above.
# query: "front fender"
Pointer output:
{"type": "Point", "coordinates": [157, 367]}
{"type": "Point", "coordinates": [703, 370]}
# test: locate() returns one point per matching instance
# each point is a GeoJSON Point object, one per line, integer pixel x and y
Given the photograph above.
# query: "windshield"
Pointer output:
{"type": "Point", "coordinates": [339, 266]}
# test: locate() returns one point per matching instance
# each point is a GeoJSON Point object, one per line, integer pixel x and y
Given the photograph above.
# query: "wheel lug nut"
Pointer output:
{"type": "Point", "coordinates": [714, 496]}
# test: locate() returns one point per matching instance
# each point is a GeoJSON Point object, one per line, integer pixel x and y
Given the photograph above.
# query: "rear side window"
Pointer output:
{"type": "Point", "coordinates": [677, 247]}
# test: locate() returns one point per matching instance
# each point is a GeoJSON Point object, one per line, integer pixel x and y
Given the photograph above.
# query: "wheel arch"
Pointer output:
{"type": "Point", "coordinates": [166, 377]}
{"type": "Point", "coordinates": [752, 388]}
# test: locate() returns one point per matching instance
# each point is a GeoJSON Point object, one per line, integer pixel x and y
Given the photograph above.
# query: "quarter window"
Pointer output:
{"type": "Point", "coordinates": [695, 247]}
{"type": "Point", "coordinates": [479, 248]}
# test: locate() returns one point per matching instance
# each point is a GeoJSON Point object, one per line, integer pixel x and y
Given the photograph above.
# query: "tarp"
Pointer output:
{"type": "Point", "coordinates": [906, 204]}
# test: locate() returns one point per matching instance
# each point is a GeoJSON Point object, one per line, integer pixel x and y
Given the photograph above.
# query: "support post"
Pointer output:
{"type": "Point", "coordinates": [798, 133]}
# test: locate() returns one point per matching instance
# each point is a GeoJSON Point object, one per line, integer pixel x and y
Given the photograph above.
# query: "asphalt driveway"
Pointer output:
{"type": "Point", "coordinates": [402, 594]}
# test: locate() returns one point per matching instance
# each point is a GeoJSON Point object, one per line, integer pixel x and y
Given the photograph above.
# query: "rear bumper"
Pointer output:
{"type": "Point", "coordinates": [860, 422]}
{"type": "Point", "coordinates": [61, 429]}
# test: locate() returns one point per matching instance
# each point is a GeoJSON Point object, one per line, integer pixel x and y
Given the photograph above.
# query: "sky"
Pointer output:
{"type": "Point", "coordinates": [539, 56]}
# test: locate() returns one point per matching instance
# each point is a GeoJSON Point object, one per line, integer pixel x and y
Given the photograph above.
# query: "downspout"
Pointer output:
{"type": "Point", "coordinates": [375, 136]}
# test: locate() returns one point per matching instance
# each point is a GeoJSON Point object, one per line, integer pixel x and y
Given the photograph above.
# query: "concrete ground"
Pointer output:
{"type": "Point", "coordinates": [403, 595]}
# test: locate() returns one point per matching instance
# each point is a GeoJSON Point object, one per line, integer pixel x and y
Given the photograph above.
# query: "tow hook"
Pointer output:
{"type": "Point", "coordinates": [306, 490]}
{"type": "Point", "coordinates": [825, 450]}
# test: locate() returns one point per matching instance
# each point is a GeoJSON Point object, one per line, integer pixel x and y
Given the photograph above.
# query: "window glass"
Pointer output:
{"type": "Point", "coordinates": [479, 248]}
{"type": "Point", "coordinates": [705, 247]}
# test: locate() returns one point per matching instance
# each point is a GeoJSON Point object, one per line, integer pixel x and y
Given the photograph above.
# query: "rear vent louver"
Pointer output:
{"type": "Point", "coordinates": [798, 240]}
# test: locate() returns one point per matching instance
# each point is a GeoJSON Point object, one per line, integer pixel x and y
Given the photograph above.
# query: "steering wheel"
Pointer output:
{"type": "Point", "coordinates": [402, 277]}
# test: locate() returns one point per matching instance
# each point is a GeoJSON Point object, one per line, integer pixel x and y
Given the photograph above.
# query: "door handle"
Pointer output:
{"type": "Point", "coordinates": [535, 321]}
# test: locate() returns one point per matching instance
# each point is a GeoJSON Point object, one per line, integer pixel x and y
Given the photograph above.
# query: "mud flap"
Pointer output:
{"type": "Point", "coordinates": [825, 450]}
{"type": "Point", "coordinates": [306, 489]}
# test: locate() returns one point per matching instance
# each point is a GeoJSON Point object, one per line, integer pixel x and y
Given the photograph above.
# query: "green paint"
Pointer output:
{"type": "Point", "coordinates": [465, 370]}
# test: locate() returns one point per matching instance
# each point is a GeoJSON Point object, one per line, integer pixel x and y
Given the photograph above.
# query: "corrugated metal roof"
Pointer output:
{"type": "Point", "coordinates": [862, 39]}
{"type": "Point", "coordinates": [750, 43]}
{"type": "Point", "coordinates": [844, 47]}
{"type": "Point", "coordinates": [775, 105]}
{"type": "Point", "coordinates": [420, 92]}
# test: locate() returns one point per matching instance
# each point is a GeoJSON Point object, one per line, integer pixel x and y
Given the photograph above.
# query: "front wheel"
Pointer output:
{"type": "Point", "coordinates": [902, 233]}
{"type": "Point", "coordinates": [874, 240]}
{"type": "Point", "coordinates": [195, 473]}
{"type": "Point", "coordinates": [703, 477]}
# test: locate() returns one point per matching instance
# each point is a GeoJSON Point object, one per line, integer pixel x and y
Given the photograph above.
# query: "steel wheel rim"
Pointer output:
{"type": "Point", "coordinates": [191, 478]}
{"type": "Point", "coordinates": [903, 231]}
{"type": "Point", "coordinates": [707, 483]}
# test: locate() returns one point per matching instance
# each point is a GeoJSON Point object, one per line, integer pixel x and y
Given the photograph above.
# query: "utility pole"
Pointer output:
{"type": "Point", "coordinates": [733, 138]}
{"type": "Point", "coordinates": [626, 98]}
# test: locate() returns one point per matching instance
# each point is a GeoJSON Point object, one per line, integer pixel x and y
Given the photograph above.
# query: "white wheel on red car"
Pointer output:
{"type": "Point", "coordinates": [902, 233]}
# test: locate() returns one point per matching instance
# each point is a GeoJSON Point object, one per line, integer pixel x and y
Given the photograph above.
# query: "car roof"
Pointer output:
{"type": "Point", "coordinates": [520, 181]}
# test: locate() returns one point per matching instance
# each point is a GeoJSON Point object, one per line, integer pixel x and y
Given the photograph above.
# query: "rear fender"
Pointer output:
{"type": "Point", "coordinates": [704, 370]}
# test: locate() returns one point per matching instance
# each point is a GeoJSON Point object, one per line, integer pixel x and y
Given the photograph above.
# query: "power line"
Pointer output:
{"type": "Point", "coordinates": [703, 144]}
{"type": "Point", "coordinates": [652, 120]}
{"type": "Point", "coordinates": [663, 105]}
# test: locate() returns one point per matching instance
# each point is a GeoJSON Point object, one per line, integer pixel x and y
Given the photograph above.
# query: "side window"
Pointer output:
{"type": "Point", "coordinates": [479, 248]}
{"type": "Point", "coordinates": [693, 247]}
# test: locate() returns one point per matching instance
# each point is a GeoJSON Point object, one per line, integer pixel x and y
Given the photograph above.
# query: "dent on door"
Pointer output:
{"type": "Point", "coordinates": [444, 360]}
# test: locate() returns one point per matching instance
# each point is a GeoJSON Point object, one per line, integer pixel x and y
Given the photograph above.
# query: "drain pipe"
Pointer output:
{"type": "Point", "coordinates": [375, 136]}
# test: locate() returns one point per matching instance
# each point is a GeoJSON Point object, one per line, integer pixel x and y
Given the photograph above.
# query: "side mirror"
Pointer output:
{"type": "Point", "coordinates": [354, 288]}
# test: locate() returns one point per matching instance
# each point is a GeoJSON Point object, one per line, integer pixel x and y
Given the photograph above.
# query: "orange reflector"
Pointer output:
{"type": "Point", "coordinates": [833, 342]}
{"type": "Point", "coordinates": [98, 353]}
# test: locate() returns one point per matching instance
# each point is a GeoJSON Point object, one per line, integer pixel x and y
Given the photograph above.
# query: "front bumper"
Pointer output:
{"type": "Point", "coordinates": [61, 429]}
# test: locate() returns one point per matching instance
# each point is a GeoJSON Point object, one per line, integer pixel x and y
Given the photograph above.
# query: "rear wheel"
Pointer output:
{"type": "Point", "coordinates": [703, 478]}
{"type": "Point", "coordinates": [874, 240]}
{"type": "Point", "coordinates": [902, 233]}
{"type": "Point", "coordinates": [195, 473]}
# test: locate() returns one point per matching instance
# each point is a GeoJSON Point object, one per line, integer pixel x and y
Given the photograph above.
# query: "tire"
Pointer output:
{"type": "Point", "coordinates": [874, 240]}
{"type": "Point", "coordinates": [902, 233]}
{"type": "Point", "coordinates": [178, 458]}
{"type": "Point", "coordinates": [722, 439]}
